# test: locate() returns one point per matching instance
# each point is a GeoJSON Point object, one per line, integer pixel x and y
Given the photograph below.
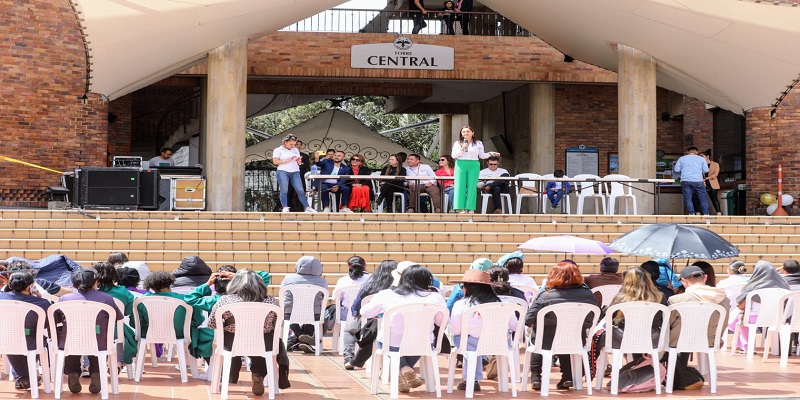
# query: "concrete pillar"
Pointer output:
{"type": "Point", "coordinates": [445, 134]}
{"type": "Point", "coordinates": [224, 144]}
{"type": "Point", "coordinates": [637, 120]}
{"type": "Point", "coordinates": [542, 128]}
{"type": "Point", "coordinates": [475, 120]}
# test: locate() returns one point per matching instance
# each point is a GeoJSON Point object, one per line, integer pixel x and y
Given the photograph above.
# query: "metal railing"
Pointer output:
{"type": "Point", "coordinates": [400, 22]}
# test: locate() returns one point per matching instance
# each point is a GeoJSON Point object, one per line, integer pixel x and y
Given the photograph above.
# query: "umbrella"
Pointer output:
{"type": "Point", "coordinates": [674, 241]}
{"type": "Point", "coordinates": [566, 244]}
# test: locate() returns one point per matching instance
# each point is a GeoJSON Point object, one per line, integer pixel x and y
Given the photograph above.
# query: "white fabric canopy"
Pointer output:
{"type": "Point", "coordinates": [338, 130]}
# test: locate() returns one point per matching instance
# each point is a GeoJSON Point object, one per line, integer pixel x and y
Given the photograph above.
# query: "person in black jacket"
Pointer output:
{"type": "Point", "coordinates": [564, 285]}
{"type": "Point", "coordinates": [465, 6]}
{"type": "Point", "coordinates": [390, 187]}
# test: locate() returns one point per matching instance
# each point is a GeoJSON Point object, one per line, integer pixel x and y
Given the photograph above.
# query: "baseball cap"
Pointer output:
{"type": "Point", "coordinates": [691, 271]}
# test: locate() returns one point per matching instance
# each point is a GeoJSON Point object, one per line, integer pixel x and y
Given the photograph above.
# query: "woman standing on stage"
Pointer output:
{"type": "Point", "coordinates": [466, 152]}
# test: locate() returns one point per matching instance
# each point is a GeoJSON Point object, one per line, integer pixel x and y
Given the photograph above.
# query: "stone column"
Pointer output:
{"type": "Point", "coordinates": [475, 120]}
{"type": "Point", "coordinates": [637, 120]}
{"type": "Point", "coordinates": [445, 134]}
{"type": "Point", "coordinates": [542, 128]}
{"type": "Point", "coordinates": [224, 142]}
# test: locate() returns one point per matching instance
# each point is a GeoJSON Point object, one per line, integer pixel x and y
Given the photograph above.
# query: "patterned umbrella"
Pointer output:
{"type": "Point", "coordinates": [674, 241]}
{"type": "Point", "coordinates": [566, 244]}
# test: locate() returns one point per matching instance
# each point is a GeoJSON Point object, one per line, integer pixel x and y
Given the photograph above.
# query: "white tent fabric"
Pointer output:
{"type": "Point", "coordinates": [338, 130]}
{"type": "Point", "coordinates": [733, 54]}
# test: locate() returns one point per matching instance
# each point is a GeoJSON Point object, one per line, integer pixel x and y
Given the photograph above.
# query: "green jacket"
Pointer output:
{"type": "Point", "coordinates": [201, 338]}
{"type": "Point", "coordinates": [125, 296]}
{"type": "Point", "coordinates": [202, 297]}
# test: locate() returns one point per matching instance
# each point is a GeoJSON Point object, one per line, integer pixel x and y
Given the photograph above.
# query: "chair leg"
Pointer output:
{"type": "Point", "coordinates": [226, 372]}
{"type": "Point", "coordinates": [524, 373]}
{"type": "Point", "coordinates": [784, 335]}
{"type": "Point", "coordinates": [140, 358]}
{"type": "Point", "coordinates": [318, 337]}
{"type": "Point", "coordinates": [657, 371]}
{"type": "Point", "coordinates": [59, 373]}
{"type": "Point", "coordinates": [734, 338]}
{"type": "Point", "coordinates": [484, 203]}
{"type": "Point", "coordinates": [751, 342]}
{"type": "Point", "coordinates": [437, 383]}
{"type": "Point", "coordinates": [215, 372]}
{"type": "Point", "coordinates": [616, 364]}
{"type": "Point", "coordinates": [153, 355]}
{"type": "Point", "coordinates": [31, 358]}
{"type": "Point", "coordinates": [712, 371]}
{"type": "Point", "coordinates": [547, 360]}
{"type": "Point", "coordinates": [601, 366]}
{"type": "Point", "coordinates": [587, 373]}
{"type": "Point", "coordinates": [114, 370]}
{"type": "Point", "coordinates": [182, 360]}
{"type": "Point", "coordinates": [673, 357]}
{"type": "Point", "coordinates": [375, 373]}
{"type": "Point", "coordinates": [102, 360]}
{"type": "Point", "coordinates": [451, 370]}
{"type": "Point", "coordinates": [271, 381]}
{"type": "Point", "coordinates": [471, 359]}
{"type": "Point", "coordinates": [394, 375]}
{"type": "Point", "coordinates": [44, 360]}
{"type": "Point", "coordinates": [337, 327]}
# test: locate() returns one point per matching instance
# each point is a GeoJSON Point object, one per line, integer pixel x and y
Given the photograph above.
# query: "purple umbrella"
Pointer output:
{"type": "Point", "coordinates": [566, 244]}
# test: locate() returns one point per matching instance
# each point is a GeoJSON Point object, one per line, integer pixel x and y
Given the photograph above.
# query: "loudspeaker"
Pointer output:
{"type": "Point", "coordinates": [502, 146]}
{"type": "Point", "coordinates": [111, 186]}
{"type": "Point", "coordinates": [148, 189]}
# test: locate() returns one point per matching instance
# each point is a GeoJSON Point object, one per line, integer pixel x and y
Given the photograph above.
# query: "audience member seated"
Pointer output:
{"type": "Point", "coordinates": [564, 285]}
{"type": "Point", "coordinates": [160, 283]}
{"type": "Point", "coordinates": [335, 166]}
{"type": "Point", "coordinates": [514, 262]}
{"type": "Point", "coordinates": [247, 286]}
{"type": "Point", "coordinates": [654, 271]}
{"type": "Point", "coordinates": [502, 284]}
{"type": "Point", "coordinates": [309, 272]}
{"type": "Point", "coordinates": [192, 273]}
{"type": "Point", "coordinates": [708, 269]}
{"type": "Point", "coordinates": [481, 264]}
{"type": "Point", "coordinates": [394, 168]}
{"type": "Point", "coordinates": [495, 188]}
{"type": "Point", "coordinates": [361, 194]}
{"type": "Point", "coordinates": [119, 260]}
{"type": "Point", "coordinates": [129, 279]}
{"type": "Point", "coordinates": [608, 274]}
{"type": "Point", "coordinates": [636, 287]}
{"type": "Point", "coordinates": [555, 190]}
{"type": "Point", "coordinates": [85, 283]}
{"type": "Point", "coordinates": [415, 287]}
{"type": "Point", "coordinates": [380, 280]}
{"type": "Point", "coordinates": [446, 165]}
{"type": "Point", "coordinates": [736, 275]}
{"type": "Point", "coordinates": [416, 187]}
{"type": "Point", "coordinates": [18, 287]}
{"type": "Point", "coordinates": [667, 277]}
{"type": "Point", "coordinates": [202, 296]}
{"type": "Point", "coordinates": [791, 272]}
{"type": "Point", "coordinates": [108, 282]}
{"type": "Point", "coordinates": [41, 285]}
{"type": "Point", "coordinates": [765, 276]}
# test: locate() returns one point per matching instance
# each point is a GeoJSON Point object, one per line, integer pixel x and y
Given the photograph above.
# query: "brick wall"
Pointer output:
{"type": "Point", "coordinates": [119, 131]}
{"type": "Point", "coordinates": [698, 124]}
{"type": "Point", "coordinates": [42, 76]}
{"type": "Point", "coordinates": [773, 141]}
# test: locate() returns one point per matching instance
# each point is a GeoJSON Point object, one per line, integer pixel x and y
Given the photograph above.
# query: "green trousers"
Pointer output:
{"type": "Point", "coordinates": [465, 192]}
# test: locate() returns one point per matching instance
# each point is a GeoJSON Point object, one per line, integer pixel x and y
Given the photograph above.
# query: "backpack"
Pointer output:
{"type": "Point", "coordinates": [637, 376]}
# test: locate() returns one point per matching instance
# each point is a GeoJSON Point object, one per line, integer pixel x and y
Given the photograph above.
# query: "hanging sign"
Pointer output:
{"type": "Point", "coordinates": [401, 54]}
{"type": "Point", "coordinates": [582, 160]}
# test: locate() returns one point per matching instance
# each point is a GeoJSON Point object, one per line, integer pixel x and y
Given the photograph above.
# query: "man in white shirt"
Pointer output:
{"type": "Point", "coordinates": [495, 188]}
{"type": "Point", "coordinates": [415, 187]}
{"type": "Point", "coordinates": [163, 160]}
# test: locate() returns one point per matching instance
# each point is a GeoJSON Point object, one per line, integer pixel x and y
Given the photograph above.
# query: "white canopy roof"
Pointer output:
{"type": "Point", "coordinates": [733, 54]}
{"type": "Point", "coordinates": [334, 129]}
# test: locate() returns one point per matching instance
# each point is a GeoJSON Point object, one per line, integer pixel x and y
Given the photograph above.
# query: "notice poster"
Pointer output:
{"type": "Point", "coordinates": [582, 160]}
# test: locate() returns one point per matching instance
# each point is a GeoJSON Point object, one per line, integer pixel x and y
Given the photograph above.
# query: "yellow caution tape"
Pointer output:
{"type": "Point", "coordinates": [14, 160]}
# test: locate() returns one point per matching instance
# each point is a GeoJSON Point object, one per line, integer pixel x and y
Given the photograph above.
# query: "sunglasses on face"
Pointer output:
{"type": "Point", "coordinates": [442, 159]}
{"type": "Point", "coordinates": [492, 164]}
{"type": "Point", "coordinates": [355, 159]}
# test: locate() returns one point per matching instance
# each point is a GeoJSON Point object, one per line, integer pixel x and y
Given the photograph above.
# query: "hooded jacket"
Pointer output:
{"type": "Point", "coordinates": [704, 294]}
{"type": "Point", "coordinates": [309, 272]}
{"type": "Point", "coordinates": [192, 273]}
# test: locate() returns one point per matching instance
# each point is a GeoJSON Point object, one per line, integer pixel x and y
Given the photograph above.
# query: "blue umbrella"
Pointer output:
{"type": "Point", "coordinates": [674, 241]}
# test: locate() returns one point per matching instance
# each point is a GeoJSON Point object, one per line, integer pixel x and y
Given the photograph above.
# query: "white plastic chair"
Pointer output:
{"type": "Point", "coordinates": [12, 340]}
{"type": "Point", "coordinates": [418, 321]}
{"type": "Point", "coordinates": [494, 340]}
{"type": "Point", "coordinates": [531, 292]}
{"type": "Point", "coordinates": [81, 317]}
{"type": "Point", "coordinates": [309, 196]}
{"type": "Point", "coordinates": [787, 323]}
{"type": "Point", "coordinates": [731, 292]}
{"type": "Point", "coordinates": [767, 316]}
{"type": "Point", "coordinates": [636, 338]}
{"type": "Point", "coordinates": [619, 191]}
{"type": "Point", "coordinates": [348, 294]}
{"type": "Point", "coordinates": [693, 337]}
{"type": "Point", "coordinates": [568, 339]}
{"type": "Point", "coordinates": [445, 290]}
{"type": "Point", "coordinates": [161, 329]}
{"type": "Point", "coordinates": [247, 341]}
{"type": "Point", "coordinates": [565, 198]}
{"type": "Point", "coordinates": [531, 192]}
{"type": "Point", "coordinates": [607, 293]}
{"type": "Point", "coordinates": [397, 195]}
{"type": "Point", "coordinates": [505, 202]}
{"type": "Point", "coordinates": [119, 338]}
{"type": "Point", "coordinates": [586, 190]}
{"type": "Point", "coordinates": [303, 296]}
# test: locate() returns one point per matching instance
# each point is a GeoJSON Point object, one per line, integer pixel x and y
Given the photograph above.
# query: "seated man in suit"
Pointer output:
{"type": "Point", "coordinates": [334, 166]}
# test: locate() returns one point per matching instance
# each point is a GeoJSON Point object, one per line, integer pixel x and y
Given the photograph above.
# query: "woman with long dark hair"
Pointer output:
{"type": "Point", "coordinates": [415, 287]}
{"type": "Point", "coordinates": [564, 285]}
{"type": "Point", "coordinates": [394, 167]}
{"type": "Point", "coordinates": [108, 282]}
{"type": "Point", "coordinates": [467, 151]}
{"type": "Point", "coordinates": [446, 169]}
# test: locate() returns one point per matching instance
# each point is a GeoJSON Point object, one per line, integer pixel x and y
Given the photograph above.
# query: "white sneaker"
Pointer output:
{"type": "Point", "coordinates": [285, 209]}
{"type": "Point", "coordinates": [311, 210]}
{"type": "Point", "coordinates": [326, 209]}
{"type": "Point", "coordinates": [346, 210]}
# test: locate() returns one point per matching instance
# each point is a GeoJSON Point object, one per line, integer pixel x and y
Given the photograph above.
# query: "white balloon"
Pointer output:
{"type": "Point", "coordinates": [771, 208]}
{"type": "Point", "coordinates": [787, 200]}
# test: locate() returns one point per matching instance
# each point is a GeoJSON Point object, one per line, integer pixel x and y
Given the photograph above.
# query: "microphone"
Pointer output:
{"type": "Point", "coordinates": [466, 141]}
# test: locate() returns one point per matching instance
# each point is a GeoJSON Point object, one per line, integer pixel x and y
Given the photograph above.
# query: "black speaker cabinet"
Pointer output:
{"type": "Point", "coordinates": [111, 186]}
{"type": "Point", "coordinates": [148, 189]}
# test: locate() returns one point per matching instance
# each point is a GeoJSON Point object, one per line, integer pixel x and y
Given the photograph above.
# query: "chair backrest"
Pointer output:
{"type": "Point", "coordinates": [639, 316]}
{"type": "Point", "coordinates": [515, 300]}
{"type": "Point", "coordinates": [303, 301]}
{"type": "Point", "coordinates": [121, 323]}
{"type": "Point", "coordinates": [607, 293]}
{"type": "Point", "coordinates": [81, 322]}
{"type": "Point", "coordinates": [445, 290]}
{"type": "Point", "coordinates": [794, 288]}
{"type": "Point", "coordinates": [375, 183]}
{"type": "Point", "coordinates": [249, 318]}
{"type": "Point", "coordinates": [532, 184]}
{"type": "Point", "coordinates": [695, 320]}
{"type": "Point", "coordinates": [732, 292]}
{"type": "Point", "coordinates": [768, 311]}
{"type": "Point", "coordinates": [161, 318]}
{"type": "Point", "coordinates": [531, 293]}
{"type": "Point", "coordinates": [12, 328]}
{"type": "Point", "coordinates": [418, 321]}
{"type": "Point", "coordinates": [495, 318]}
{"type": "Point", "coordinates": [345, 295]}
{"type": "Point", "coordinates": [569, 335]}
{"type": "Point", "coordinates": [617, 188]}
{"type": "Point", "coordinates": [588, 188]}
{"type": "Point", "coordinates": [789, 310]}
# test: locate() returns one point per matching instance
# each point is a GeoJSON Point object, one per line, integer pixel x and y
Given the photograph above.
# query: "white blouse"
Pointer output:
{"type": "Point", "coordinates": [473, 152]}
{"type": "Point", "coordinates": [283, 154]}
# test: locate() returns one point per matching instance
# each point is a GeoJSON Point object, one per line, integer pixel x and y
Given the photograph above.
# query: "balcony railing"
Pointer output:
{"type": "Point", "coordinates": [400, 22]}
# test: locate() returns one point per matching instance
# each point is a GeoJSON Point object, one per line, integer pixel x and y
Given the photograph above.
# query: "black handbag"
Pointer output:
{"type": "Point", "coordinates": [368, 333]}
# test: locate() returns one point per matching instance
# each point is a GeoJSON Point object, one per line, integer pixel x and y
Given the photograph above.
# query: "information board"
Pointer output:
{"type": "Point", "coordinates": [582, 160]}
